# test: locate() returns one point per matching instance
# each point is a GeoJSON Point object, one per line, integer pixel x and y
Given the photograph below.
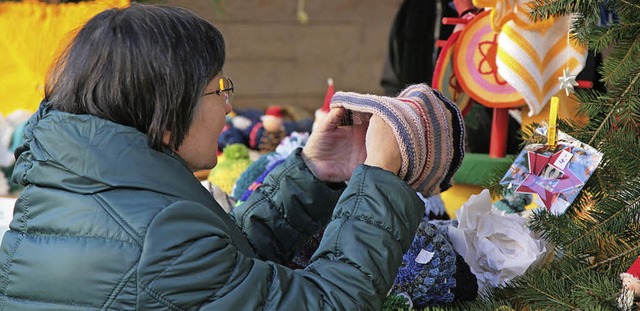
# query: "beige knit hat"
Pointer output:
{"type": "Point", "coordinates": [428, 127]}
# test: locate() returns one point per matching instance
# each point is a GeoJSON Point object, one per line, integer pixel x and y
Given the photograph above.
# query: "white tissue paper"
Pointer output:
{"type": "Point", "coordinates": [496, 245]}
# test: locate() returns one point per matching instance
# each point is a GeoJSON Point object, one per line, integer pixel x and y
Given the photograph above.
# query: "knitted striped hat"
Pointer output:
{"type": "Point", "coordinates": [428, 127]}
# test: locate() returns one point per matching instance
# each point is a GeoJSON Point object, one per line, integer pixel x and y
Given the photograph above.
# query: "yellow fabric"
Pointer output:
{"type": "Point", "coordinates": [459, 194]}
{"type": "Point", "coordinates": [456, 196]}
{"type": "Point", "coordinates": [32, 34]}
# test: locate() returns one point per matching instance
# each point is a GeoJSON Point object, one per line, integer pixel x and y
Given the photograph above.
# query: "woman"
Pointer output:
{"type": "Point", "coordinates": [111, 217]}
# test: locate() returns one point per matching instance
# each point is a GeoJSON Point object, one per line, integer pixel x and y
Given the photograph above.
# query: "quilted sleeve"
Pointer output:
{"type": "Point", "coordinates": [189, 263]}
{"type": "Point", "coordinates": [289, 207]}
{"type": "Point", "coordinates": [188, 260]}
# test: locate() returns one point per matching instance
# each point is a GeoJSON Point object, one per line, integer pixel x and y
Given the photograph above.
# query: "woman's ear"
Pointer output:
{"type": "Point", "coordinates": [166, 137]}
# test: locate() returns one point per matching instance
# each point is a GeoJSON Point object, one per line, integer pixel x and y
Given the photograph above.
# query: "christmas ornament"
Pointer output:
{"type": "Point", "coordinates": [498, 246]}
{"type": "Point", "coordinates": [546, 179]}
{"type": "Point", "coordinates": [630, 286]}
{"type": "Point", "coordinates": [631, 278]}
{"type": "Point", "coordinates": [531, 54]}
{"type": "Point", "coordinates": [512, 202]}
{"type": "Point", "coordinates": [476, 69]}
{"type": "Point", "coordinates": [567, 81]}
{"type": "Point", "coordinates": [531, 60]}
{"type": "Point", "coordinates": [554, 173]}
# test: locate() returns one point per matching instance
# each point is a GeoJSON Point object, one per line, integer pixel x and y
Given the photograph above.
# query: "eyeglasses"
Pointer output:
{"type": "Point", "coordinates": [226, 87]}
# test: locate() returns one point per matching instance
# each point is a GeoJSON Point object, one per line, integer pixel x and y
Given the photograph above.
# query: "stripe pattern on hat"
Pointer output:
{"type": "Point", "coordinates": [428, 128]}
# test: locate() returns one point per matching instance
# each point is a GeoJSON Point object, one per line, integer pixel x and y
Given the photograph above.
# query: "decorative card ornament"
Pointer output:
{"type": "Point", "coordinates": [555, 173]}
{"type": "Point", "coordinates": [444, 78]}
{"type": "Point", "coordinates": [476, 68]}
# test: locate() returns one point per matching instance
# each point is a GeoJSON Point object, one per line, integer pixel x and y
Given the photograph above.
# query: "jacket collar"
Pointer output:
{"type": "Point", "coordinates": [86, 154]}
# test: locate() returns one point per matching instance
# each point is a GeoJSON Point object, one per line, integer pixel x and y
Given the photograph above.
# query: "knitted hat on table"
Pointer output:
{"type": "Point", "coordinates": [432, 273]}
{"type": "Point", "coordinates": [428, 127]}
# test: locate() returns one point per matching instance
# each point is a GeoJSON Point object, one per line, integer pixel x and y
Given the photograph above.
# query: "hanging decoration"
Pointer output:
{"type": "Point", "coordinates": [567, 81]}
{"type": "Point", "coordinates": [532, 60]}
{"type": "Point", "coordinates": [532, 55]}
{"type": "Point", "coordinates": [555, 173]}
{"type": "Point", "coordinates": [476, 68]}
{"type": "Point", "coordinates": [301, 14]}
{"type": "Point", "coordinates": [630, 287]}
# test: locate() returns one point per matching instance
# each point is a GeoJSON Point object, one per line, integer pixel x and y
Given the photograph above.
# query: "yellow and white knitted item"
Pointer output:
{"type": "Point", "coordinates": [531, 56]}
{"type": "Point", "coordinates": [532, 60]}
{"type": "Point", "coordinates": [32, 33]}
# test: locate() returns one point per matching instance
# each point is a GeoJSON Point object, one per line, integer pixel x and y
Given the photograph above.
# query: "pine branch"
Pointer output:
{"type": "Point", "coordinates": [601, 224]}
{"type": "Point", "coordinates": [628, 56]}
{"type": "Point", "coordinates": [631, 4]}
{"type": "Point", "coordinates": [615, 257]}
{"type": "Point", "coordinates": [606, 119]}
{"type": "Point", "coordinates": [553, 298]}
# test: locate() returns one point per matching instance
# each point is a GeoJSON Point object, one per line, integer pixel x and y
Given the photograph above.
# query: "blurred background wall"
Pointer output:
{"type": "Point", "coordinates": [274, 59]}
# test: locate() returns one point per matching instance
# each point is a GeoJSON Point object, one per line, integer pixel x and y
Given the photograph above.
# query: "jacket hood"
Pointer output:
{"type": "Point", "coordinates": [86, 154]}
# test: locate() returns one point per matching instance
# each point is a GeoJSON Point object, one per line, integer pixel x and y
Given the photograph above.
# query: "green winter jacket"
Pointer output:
{"type": "Point", "coordinates": [106, 223]}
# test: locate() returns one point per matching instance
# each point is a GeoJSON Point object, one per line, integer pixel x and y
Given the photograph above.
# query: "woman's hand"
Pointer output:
{"type": "Point", "coordinates": [382, 146]}
{"type": "Point", "coordinates": [332, 151]}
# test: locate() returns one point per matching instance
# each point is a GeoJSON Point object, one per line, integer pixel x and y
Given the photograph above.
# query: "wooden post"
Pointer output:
{"type": "Point", "coordinates": [499, 133]}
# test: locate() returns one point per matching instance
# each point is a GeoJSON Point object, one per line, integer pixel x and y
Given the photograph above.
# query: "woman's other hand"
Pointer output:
{"type": "Point", "coordinates": [382, 146]}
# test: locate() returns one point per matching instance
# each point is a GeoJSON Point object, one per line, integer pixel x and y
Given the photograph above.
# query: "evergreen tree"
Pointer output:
{"type": "Point", "coordinates": [599, 236]}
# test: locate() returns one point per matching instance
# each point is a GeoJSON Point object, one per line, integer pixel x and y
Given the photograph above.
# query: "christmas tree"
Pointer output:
{"type": "Point", "coordinates": [598, 238]}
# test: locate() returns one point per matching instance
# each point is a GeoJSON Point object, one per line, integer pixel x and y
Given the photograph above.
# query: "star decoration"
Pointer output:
{"type": "Point", "coordinates": [531, 185]}
{"type": "Point", "coordinates": [548, 187]}
{"type": "Point", "coordinates": [567, 81]}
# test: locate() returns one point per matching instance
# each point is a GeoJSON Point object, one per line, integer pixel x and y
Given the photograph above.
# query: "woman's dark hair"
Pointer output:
{"type": "Point", "coordinates": [143, 66]}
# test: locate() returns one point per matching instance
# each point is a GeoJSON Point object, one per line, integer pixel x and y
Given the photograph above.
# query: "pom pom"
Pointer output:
{"type": "Point", "coordinates": [234, 161]}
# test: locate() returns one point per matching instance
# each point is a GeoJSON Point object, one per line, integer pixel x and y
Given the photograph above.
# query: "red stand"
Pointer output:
{"type": "Point", "coordinates": [499, 131]}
